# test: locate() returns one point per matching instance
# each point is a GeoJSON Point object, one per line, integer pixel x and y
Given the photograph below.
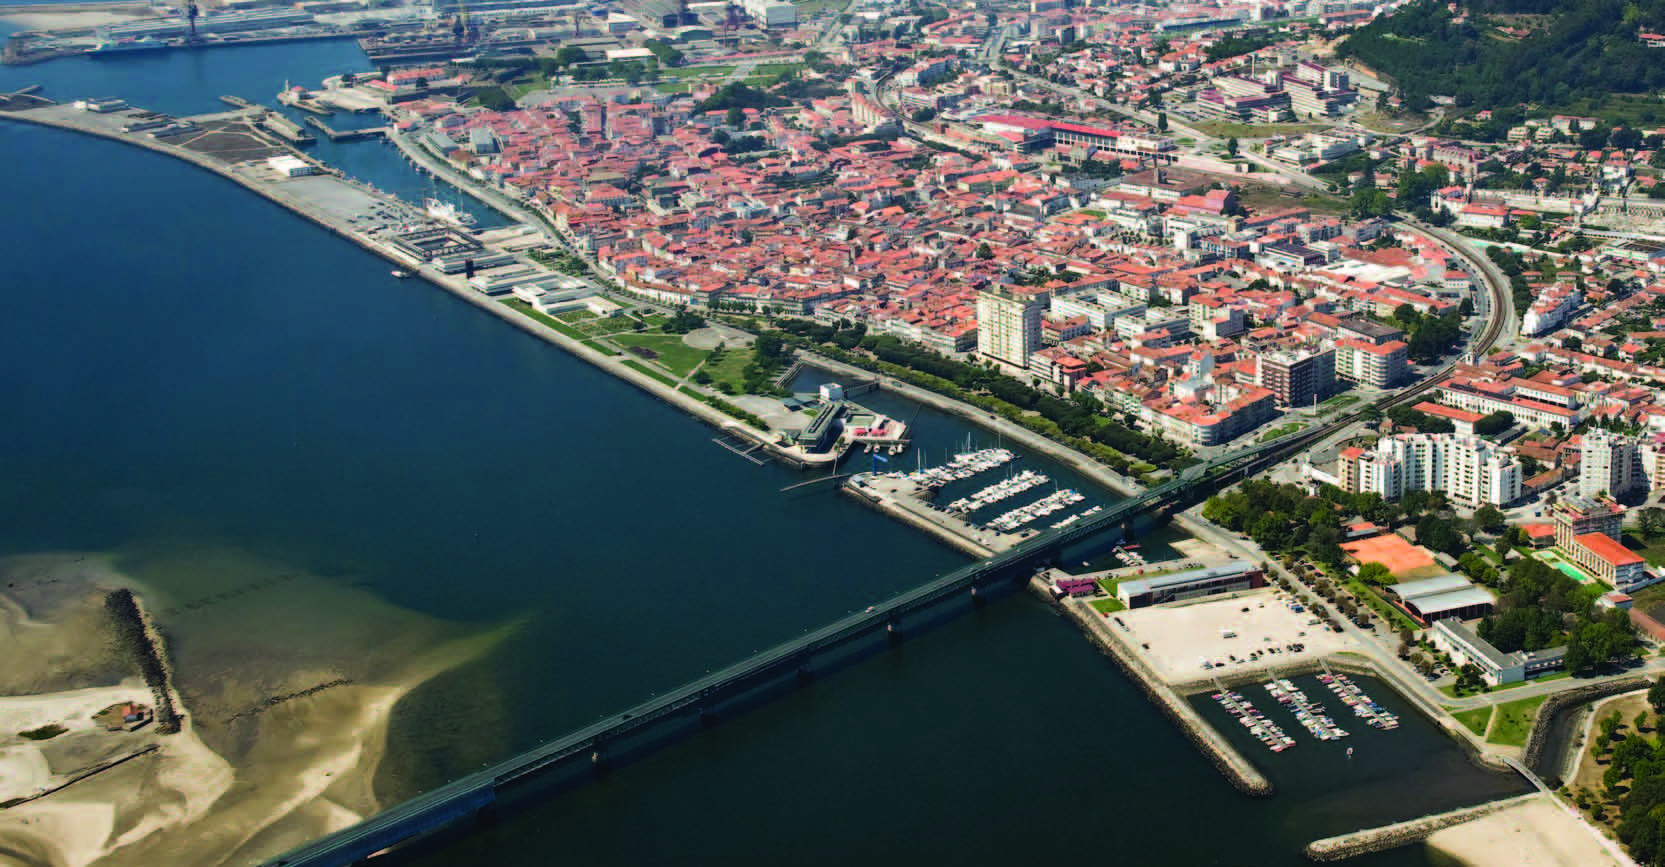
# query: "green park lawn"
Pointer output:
{"type": "Point", "coordinates": [1475, 720]}
{"type": "Point", "coordinates": [1281, 430]}
{"type": "Point", "coordinates": [728, 368]}
{"type": "Point", "coordinates": [1107, 606]}
{"type": "Point", "coordinates": [1514, 721]}
{"type": "Point", "coordinates": [644, 369]}
{"type": "Point", "coordinates": [676, 356]}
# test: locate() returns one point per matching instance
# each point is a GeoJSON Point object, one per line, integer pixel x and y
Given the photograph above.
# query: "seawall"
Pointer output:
{"type": "Point", "coordinates": [943, 534]}
{"type": "Point", "coordinates": [611, 364]}
{"type": "Point", "coordinates": [144, 641]}
{"type": "Point", "coordinates": [1236, 768]}
{"type": "Point", "coordinates": [1403, 833]}
{"type": "Point", "coordinates": [1543, 722]}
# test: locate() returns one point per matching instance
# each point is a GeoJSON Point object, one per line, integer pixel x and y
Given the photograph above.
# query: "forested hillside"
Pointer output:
{"type": "Point", "coordinates": [1495, 53]}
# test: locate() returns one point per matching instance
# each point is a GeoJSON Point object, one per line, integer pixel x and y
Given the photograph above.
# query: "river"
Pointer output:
{"type": "Point", "coordinates": [192, 371]}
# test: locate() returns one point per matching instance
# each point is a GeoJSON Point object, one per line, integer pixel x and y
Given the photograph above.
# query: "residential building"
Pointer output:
{"type": "Point", "coordinates": [1470, 470]}
{"type": "Point", "coordinates": [1297, 378]}
{"type": "Point", "coordinates": [1009, 322]}
{"type": "Point", "coordinates": [1609, 465]}
{"type": "Point", "coordinates": [1376, 365]}
{"type": "Point", "coordinates": [1578, 515]}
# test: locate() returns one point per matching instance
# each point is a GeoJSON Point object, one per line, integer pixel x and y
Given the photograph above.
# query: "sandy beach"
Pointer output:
{"type": "Point", "coordinates": [1534, 834]}
{"type": "Point", "coordinates": [282, 739]}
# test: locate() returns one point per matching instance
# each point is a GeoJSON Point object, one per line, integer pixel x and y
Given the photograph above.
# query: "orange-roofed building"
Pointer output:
{"type": "Point", "coordinates": [1609, 560]}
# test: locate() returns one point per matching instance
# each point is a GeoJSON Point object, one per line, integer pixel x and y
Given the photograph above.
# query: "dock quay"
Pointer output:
{"type": "Point", "coordinates": [906, 502]}
{"type": "Point", "coordinates": [345, 134]}
{"type": "Point", "coordinates": [286, 129]}
{"type": "Point", "coordinates": [1233, 765]}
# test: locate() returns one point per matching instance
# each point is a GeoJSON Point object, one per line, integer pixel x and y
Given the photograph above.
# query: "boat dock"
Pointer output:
{"type": "Point", "coordinates": [237, 102]}
{"type": "Point", "coordinates": [286, 129]}
{"type": "Point", "coordinates": [904, 500]}
{"type": "Point", "coordinates": [345, 134]}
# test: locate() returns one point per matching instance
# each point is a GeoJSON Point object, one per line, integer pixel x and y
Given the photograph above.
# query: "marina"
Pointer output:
{"type": "Point", "coordinates": [965, 465]}
{"type": "Point", "coordinates": [1310, 713]}
{"type": "Point", "coordinates": [1037, 510]}
{"type": "Point", "coordinates": [1266, 731]}
{"type": "Point", "coordinates": [1364, 707]}
{"type": "Point", "coordinates": [995, 493]}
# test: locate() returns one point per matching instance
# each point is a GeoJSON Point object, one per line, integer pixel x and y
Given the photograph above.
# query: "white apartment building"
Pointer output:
{"type": "Point", "coordinates": [1009, 322]}
{"type": "Point", "coordinates": [1470, 470]}
{"type": "Point", "coordinates": [1609, 465]}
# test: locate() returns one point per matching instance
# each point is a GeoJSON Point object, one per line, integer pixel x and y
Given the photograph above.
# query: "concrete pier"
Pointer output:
{"type": "Point", "coordinates": [1403, 833]}
{"type": "Point", "coordinates": [1236, 768]}
{"type": "Point", "coordinates": [904, 501]}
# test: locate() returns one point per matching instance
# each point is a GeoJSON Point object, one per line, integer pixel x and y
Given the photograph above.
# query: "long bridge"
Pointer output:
{"type": "Point", "coordinates": [699, 702]}
{"type": "Point", "coordinates": [700, 699]}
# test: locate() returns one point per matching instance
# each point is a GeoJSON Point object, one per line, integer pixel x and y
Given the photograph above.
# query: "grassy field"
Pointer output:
{"type": "Point", "coordinates": [1339, 401]}
{"type": "Point", "coordinates": [596, 326]}
{"type": "Point", "coordinates": [644, 369]}
{"type": "Point", "coordinates": [527, 310]}
{"type": "Point", "coordinates": [1107, 606]}
{"type": "Point", "coordinates": [1451, 689]}
{"type": "Point", "coordinates": [728, 368]}
{"type": "Point", "coordinates": [1651, 550]}
{"type": "Point", "coordinates": [671, 352]}
{"type": "Point", "coordinates": [1396, 619]}
{"type": "Point", "coordinates": [682, 72]}
{"type": "Point", "coordinates": [774, 70]}
{"type": "Point", "coordinates": [1514, 722]}
{"type": "Point", "coordinates": [1475, 720]}
{"type": "Point", "coordinates": [1227, 129]}
{"type": "Point", "coordinates": [807, 8]}
{"type": "Point", "coordinates": [1281, 430]}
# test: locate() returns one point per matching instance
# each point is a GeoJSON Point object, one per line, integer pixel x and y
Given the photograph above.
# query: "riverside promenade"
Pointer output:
{"type": "Point", "coordinates": [230, 147]}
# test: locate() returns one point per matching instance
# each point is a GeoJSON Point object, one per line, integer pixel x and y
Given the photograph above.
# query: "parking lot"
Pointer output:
{"type": "Point", "coordinates": [1178, 640]}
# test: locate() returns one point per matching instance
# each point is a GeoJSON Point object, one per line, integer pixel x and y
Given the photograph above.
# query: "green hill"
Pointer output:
{"type": "Point", "coordinates": [1497, 53]}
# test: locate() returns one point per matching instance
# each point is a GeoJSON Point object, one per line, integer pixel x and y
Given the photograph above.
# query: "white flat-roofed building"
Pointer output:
{"type": "Point", "coordinates": [291, 166]}
{"type": "Point", "coordinates": [1434, 599]}
{"type": "Point", "coordinates": [1144, 592]}
{"type": "Point", "coordinates": [1496, 667]}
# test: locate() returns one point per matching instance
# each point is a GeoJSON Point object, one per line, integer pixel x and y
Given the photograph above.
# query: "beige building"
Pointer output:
{"type": "Point", "coordinates": [1009, 322]}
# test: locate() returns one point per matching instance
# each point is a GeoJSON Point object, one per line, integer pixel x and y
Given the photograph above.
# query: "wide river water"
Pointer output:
{"type": "Point", "coordinates": [190, 369]}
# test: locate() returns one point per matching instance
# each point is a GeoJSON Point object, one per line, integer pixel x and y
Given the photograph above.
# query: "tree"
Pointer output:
{"type": "Point", "coordinates": [1161, 121]}
{"type": "Point", "coordinates": [421, 83]}
{"type": "Point", "coordinates": [1489, 518]}
{"type": "Point", "coordinates": [1231, 147]}
{"type": "Point", "coordinates": [1656, 696]}
{"type": "Point", "coordinates": [1650, 521]}
{"type": "Point", "coordinates": [983, 251]}
{"type": "Point", "coordinates": [1495, 423]}
{"type": "Point", "coordinates": [570, 55]}
{"type": "Point", "coordinates": [1375, 573]}
{"type": "Point", "coordinates": [736, 117]}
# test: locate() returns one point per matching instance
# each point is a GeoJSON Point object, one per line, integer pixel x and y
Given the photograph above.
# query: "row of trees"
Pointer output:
{"type": "Point", "coordinates": [1079, 416]}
